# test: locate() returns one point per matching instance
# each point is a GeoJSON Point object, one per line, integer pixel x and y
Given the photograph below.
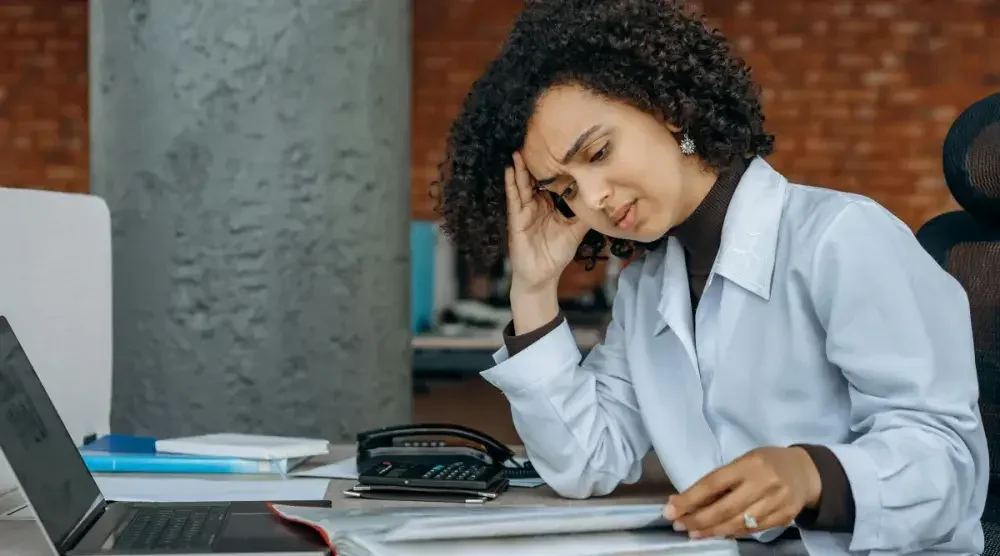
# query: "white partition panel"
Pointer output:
{"type": "Point", "coordinates": [55, 289]}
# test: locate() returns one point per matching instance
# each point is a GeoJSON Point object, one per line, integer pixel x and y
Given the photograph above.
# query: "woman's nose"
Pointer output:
{"type": "Point", "coordinates": [595, 193]}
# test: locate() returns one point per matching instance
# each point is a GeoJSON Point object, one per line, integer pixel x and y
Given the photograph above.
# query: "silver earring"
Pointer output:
{"type": "Point", "coordinates": [687, 144]}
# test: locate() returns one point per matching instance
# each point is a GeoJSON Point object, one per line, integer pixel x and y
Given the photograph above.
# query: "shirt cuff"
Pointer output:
{"type": "Point", "coordinates": [863, 477]}
{"type": "Point", "coordinates": [835, 512]}
{"type": "Point", "coordinates": [538, 364]}
{"type": "Point", "coordinates": [518, 343]}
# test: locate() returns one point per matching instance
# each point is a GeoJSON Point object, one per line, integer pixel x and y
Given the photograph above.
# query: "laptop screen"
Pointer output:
{"type": "Point", "coordinates": [46, 462]}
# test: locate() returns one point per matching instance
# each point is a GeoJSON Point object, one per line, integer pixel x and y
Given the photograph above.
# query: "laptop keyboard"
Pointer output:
{"type": "Point", "coordinates": [172, 528]}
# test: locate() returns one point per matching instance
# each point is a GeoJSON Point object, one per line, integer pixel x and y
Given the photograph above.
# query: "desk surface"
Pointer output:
{"type": "Point", "coordinates": [472, 353]}
{"type": "Point", "coordinates": [585, 337]}
{"type": "Point", "coordinates": [23, 538]}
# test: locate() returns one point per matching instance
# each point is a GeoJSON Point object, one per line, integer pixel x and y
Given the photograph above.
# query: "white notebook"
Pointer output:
{"type": "Point", "coordinates": [248, 446]}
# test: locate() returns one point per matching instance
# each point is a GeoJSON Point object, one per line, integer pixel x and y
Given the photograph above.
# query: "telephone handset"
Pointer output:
{"type": "Point", "coordinates": [433, 455]}
{"type": "Point", "coordinates": [561, 205]}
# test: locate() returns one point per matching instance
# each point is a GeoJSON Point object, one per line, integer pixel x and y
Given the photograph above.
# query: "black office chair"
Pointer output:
{"type": "Point", "coordinates": [967, 244]}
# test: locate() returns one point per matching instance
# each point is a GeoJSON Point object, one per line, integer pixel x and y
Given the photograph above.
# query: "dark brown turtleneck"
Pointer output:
{"type": "Point", "coordinates": [701, 235]}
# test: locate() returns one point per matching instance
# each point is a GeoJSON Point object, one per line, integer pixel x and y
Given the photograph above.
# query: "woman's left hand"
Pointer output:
{"type": "Point", "coordinates": [769, 486]}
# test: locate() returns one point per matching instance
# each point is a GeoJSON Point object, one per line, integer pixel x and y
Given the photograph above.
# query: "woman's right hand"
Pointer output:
{"type": "Point", "coordinates": [541, 240]}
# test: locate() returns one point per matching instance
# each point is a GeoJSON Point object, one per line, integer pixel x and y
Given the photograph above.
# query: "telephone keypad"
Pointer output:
{"type": "Point", "coordinates": [457, 471]}
{"type": "Point", "coordinates": [463, 473]}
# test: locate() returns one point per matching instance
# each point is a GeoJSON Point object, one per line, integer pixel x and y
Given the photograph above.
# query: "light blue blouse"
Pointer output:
{"type": "Point", "coordinates": [823, 321]}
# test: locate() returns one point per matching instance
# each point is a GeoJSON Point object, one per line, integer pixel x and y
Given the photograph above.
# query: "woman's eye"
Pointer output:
{"type": "Point", "coordinates": [601, 154]}
{"type": "Point", "coordinates": [569, 191]}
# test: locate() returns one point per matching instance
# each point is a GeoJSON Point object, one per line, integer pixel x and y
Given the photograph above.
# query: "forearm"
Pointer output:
{"type": "Point", "coordinates": [578, 422]}
{"type": "Point", "coordinates": [573, 465]}
{"type": "Point", "coordinates": [533, 307]}
{"type": "Point", "coordinates": [919, 476]}
{"type": "Point", "coordinates": [578, 419]}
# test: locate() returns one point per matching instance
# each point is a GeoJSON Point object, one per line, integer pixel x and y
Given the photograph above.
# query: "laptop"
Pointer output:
{"type": "Point", "coordinates": [77, 520]}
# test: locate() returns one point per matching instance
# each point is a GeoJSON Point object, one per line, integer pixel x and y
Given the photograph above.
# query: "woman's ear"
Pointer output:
{"type": "Point", "coordinates": [662, 117]}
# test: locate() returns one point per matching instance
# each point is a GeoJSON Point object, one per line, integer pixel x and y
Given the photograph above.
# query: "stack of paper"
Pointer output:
{"type": "Point", "coordinates": [170, 489]}
{"type": "Point", "coordinates": [548, 531]}
{"type": "Point", "coordinates": [118, 453]}
{"type": "Point", "coordinates": [248, 446]}
{"type": "Point", "coordinates": [623, 543]}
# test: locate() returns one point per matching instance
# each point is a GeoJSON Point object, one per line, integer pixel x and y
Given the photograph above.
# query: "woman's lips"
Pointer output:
{"type": "Point", "coordinates": [627, 221]}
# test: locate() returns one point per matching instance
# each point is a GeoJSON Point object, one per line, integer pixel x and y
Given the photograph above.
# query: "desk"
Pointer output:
{"type": "Point", "coordinates": [464, 355]}
{"type": "Point", "coordinates": [23, 538]}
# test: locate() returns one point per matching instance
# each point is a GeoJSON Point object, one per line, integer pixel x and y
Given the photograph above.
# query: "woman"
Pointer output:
{"type": "Point", "coordinates": [802, 368]}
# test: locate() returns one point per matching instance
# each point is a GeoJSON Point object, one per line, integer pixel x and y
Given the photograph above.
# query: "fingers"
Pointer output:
{"type": "Point", "coordinates": [521, 192]}
{"type": "Point", "coordinates": [721, 512]}
{"type": "Point", "coordinates": [751, 485]}
{"type": "Point", "coordinates": [769, 512]}
{"type": "Point", "coordinates": [522, 178]}
{"type": "Point", "coordinates": [710, 488]}
{"type": "Point", "coordinates": [517, 217]}
{"type": "Point", "coordinates": [514, 201]}
{"type": "Point", "coordinates": [517, 184]}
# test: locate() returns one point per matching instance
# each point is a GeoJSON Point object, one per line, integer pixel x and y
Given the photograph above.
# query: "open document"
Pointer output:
{"type": "Point", "coordinates": [549, 531]}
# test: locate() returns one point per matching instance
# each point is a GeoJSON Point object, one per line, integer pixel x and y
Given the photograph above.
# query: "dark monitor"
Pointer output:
{"type": "Point", "coordinates": [48, 466]}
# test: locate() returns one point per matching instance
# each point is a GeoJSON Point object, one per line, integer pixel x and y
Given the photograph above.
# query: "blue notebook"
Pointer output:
{"type": "Point", "coordinates": [117, 453]}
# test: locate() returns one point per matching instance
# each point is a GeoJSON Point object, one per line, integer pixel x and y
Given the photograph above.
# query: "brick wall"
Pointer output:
{"type": "Point", "coordinates": [43, 94]}
{"type": "Point", "coordinates": [859, 93]}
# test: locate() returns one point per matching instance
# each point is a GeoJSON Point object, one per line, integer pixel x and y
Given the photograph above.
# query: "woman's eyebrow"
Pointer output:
{"type": "Point", "coordinates": [573, 150]}
{"type": "Point", "coordinates": [579, 143]}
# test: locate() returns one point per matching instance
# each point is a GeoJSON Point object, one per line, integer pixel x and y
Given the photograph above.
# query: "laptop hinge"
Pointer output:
{"type": "Point", "coordinates": [85, 524]}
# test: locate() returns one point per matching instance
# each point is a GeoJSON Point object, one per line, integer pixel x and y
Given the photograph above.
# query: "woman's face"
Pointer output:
{"type": "Point", "coordinates": [619, 169]}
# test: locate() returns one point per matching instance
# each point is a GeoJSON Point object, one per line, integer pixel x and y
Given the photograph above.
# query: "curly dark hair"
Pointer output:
{"type": "Point", "coordinates": [650, 54]}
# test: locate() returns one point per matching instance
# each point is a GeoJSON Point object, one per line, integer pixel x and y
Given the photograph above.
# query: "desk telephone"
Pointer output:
{"type": "Point", "coordinates": [436, 458]}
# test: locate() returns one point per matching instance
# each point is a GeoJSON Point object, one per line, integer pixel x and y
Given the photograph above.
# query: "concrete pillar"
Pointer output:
{"type": "Point", "coordinates": [255, 155]}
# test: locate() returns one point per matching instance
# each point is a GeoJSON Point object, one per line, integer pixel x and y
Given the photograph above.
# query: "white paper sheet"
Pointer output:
{"type": "Point", "coordinates": [547, 521]}
{"type": "Point", "coordinates": [624, 543]}
{"type": "Point", "coordinates": [143, 489]}
{"type": "Point", "coordinates": [343, 469]}
{"type": "Point", "coordinates": [347, 469]}
{"type": "Point", "coordinates": [553, 531]}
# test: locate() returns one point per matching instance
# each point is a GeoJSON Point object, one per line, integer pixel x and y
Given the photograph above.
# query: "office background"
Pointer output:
{"type": "Point", "coordinates": [322, 125]}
